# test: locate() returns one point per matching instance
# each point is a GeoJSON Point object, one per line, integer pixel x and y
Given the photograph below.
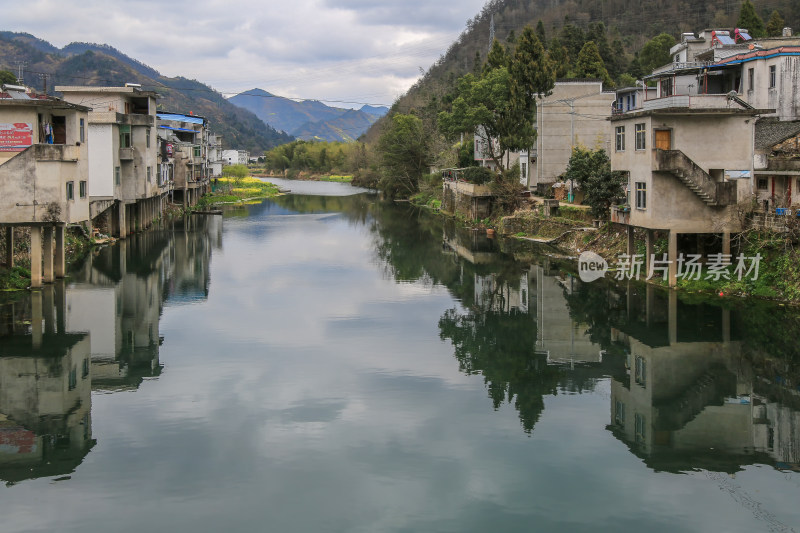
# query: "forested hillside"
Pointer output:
{"type": "Point", "coordinates": [92, 64]}
{"type": "Point", "coordinates": [619, 28]}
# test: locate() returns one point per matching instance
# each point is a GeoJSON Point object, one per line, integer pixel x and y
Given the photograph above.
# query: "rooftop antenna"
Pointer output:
{"type": "Point", "coordinates": [20, 68]}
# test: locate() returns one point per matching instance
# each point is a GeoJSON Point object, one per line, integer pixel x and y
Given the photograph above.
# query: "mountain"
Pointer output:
{"type": "Point", "coordinates": [375, 111]}
{"type": "Point", "coordinates": [308, 119]}
{"type": "Point", "coordinates": [346, 127]}
{"type": "Point", "coordinates": [102, 65]}
{"type": "Point", "coordinates": [282, 113]}
{"type": "Point", "coordinates": [621, 26]}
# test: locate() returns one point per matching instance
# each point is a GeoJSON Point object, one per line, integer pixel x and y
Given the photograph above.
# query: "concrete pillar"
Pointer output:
{"type": "Point", "coordinates": [629, 299]}
{"type": "Point", "coordinates": [47, 310]}
{"type": "Point", "coordinates": [61, 304]}
{"type": "Point", "coordinates": [672, 257]}
{"type": "Point", "coordinates": [59, 260]}
{"type": "Point", "coordinates": [726, 242]}
{"type": "Point", "coordinates": [631, 242]}
{"type": "Point", "coordinates": [650, 304]}
{"type": "Point", "coordinates": [36, 256]}
{"type": "Point", "coordinates": [122, 220]}
{"type": "Point", "coordinates": [9, 259]}
{"type": "Point", "coordinates": [673, 317]}
{"type": "Point", "coordinates": [36, 318]}
{"type": "Point", "coordinates": [650, 239]}
{"type": "Point", "coordinates": [47, 246]}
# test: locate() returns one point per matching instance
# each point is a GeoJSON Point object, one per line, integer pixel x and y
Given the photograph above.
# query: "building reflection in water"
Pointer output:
{"type": "Point", "coordinates": [687, 391]}
{"type": "Point", "coordinates": [690, 397]}
{"type": "Point", "coordinates": [101, 332]}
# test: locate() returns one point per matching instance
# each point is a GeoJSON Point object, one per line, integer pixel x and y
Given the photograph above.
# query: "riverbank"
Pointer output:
{"type": "Point", "coordinates": [572, 232]}
{"type": "Point", "coordinates": [309, 176]}
{"type": "Point", "coordinates": [229, 190]}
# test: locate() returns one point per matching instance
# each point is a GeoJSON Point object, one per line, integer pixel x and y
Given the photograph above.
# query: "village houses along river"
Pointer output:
{"type": "Point", "coordinates": [326, 361]}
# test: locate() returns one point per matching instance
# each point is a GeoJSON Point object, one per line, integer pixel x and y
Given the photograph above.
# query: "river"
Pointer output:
{"type": "Point", "coordinates": [324, 362]}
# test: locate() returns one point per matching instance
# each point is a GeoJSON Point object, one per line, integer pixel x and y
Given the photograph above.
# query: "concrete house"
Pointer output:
{"type": "Point", "coordinates": [44, 173]}
{"type": "Point", "coordinates": [574, 114]}
{"type": "Point", "coordinates": [183, 141]}
{"type": "Point", "coordinates": [125, 192]}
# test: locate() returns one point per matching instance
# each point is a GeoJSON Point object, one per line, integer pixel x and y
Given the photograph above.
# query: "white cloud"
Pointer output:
{"type": "Point", "coordinates": [350, 50]}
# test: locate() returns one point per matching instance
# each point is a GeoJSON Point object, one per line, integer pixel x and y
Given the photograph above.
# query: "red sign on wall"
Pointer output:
{"type": "Point", "coordinates": [15, 137]}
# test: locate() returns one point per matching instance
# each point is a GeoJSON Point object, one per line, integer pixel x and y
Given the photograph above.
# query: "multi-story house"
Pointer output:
{"type": "Point", "coordinates": [215, 159]}
{"type": "Point", "coordinates": [183, 147]}
{"type": "Point", "coordinates": [44, 173]}
{"type": "Point", "coordinates": [573, 115]}
{"type": "Point", "coordinates": [713, 139]}
{"type": "Point", "coordinates": [125, 193]}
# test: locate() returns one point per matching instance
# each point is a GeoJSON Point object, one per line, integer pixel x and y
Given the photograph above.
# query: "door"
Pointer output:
{"type": "Point", "coordinates": [664, 139]}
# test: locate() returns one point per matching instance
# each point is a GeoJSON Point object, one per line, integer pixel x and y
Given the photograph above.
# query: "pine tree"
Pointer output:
{"type": "Point", "coordinates": [559, 57]}
{"type": "Point", "coordinates": [540, 33]}
{"type": "Point", "coordinates": [749, 19]}
{"type": "Point", "coordinates": [590, 65]}
{"type": "Point", "coordinates": [497, 57]}
{"type": "Point", "coordinates": [775, 24]}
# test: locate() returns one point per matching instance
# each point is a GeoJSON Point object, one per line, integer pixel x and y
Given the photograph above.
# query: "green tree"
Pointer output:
{"type": "Point", "coordinates": [500, 104]}
{"type": "Point", "coordinates": [559, 57]}
{"type": "Point", "coordinates": [591, 170]}
{"type": "Point", "coordinates": [7, 77]}
{"type": "Point", "coordinates": [590, 64]}
{"type": "Point", "coordinates": [497, 57]}
{"type": "Point", "coordinates": [775, 24]}
{"type": "Point", "coordinates": [540, 33]}
{"type": "Point", "coordinates": [655, 52]}
{"type": "Point", "coordinates": [572, 38]}
{"type": "Point", "coordinates": [405, 152]}
{"type": "Point", "coordinates": [749, 19]}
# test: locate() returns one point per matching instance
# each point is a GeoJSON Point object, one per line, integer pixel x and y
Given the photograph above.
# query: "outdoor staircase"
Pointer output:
{"type": "Point", "coordinates": [712, 193]}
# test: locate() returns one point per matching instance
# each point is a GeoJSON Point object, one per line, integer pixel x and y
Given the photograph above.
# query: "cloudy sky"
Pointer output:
{"type": "Point", "coordinates": [359, 51]}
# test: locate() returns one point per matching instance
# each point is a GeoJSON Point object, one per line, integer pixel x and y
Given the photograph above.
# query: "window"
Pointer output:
{"type": "Point", "coordinates": [772, 76]}
{"type": "Point", "coordinates": [641, 195]}
{"type": "Point", "coordinates": [117, 175]}
{"type": "Point", "coordinates": [762, 184]}
{"type": "Point", "coordinates": [640, 136]}
{"type": "Point", "coordinates": [124, 136]}
{"type": "Point", "coordinates": [619, 413]}
{"type": "Point", "coordinates": [73, 378]}
{"type": "Point", "coordinates": [677, 58]}
{"type": "Point", "coordinates": [666, 87]}
{"type": "Point", "coordinates": [85, 372]}
{"type": "Point", "coordinates": [82, 131]}
{"type": "Point", "coordinates": [70, 190]}
{"type": "Point", "coordinates": [149, 174]}
{"type": "Point", "coordinates": [147, 137]}
{"type": "Point", "coordinates": [750, 79]}
{"type": "Point", "coordinates": [197, 151]}
{"type": "Point", "coordinates": [641, 371]}
{"type": "Point", "coordinates": [82, 189]}
{"type": "Point", "coordinates": [640, 427]}
{"type": "Point", "coordinates": [620, 136]}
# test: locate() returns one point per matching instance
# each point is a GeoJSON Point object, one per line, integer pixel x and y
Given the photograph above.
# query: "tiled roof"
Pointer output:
{"type": "Point", "coordinates": [770, 131]}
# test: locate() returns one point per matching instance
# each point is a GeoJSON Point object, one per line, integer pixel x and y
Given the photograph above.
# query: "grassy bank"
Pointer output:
{"type": "Point", "coordinates": [229, 190]}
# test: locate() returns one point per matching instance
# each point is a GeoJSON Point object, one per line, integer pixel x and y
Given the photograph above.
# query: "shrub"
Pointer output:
{"type": "Point", "coordinates": [477, 175]}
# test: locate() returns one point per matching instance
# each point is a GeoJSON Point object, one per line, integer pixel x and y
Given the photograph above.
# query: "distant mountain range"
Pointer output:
{"type": "Point", "coordinates": [309, 119]}
{"type": "Point", "coordinates": [102, 65]}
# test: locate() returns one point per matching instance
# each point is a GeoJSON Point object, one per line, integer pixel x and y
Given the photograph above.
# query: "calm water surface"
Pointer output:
{"type": "Point", "coordinates": [327, 362]}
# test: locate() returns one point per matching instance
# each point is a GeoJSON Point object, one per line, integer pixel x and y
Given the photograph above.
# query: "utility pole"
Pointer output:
{"type": "Point", "coordinates": [491, 32]}
{"type": "Point", "coordinates": [43, 77]}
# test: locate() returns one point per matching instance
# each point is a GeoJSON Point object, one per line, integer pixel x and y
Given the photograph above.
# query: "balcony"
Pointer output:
{"type": "Point", "coordinates": [694, 101]}
{"type": "Point", "coordinates": [56, 152]}
{"type": "Point", "coordinates": [126, 154]}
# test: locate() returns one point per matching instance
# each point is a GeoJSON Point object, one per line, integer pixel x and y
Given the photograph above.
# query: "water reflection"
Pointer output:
{"type": "Point", "coordinates": [98, 332]}
{"type": "Point", "coordinates": [693, 383]}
